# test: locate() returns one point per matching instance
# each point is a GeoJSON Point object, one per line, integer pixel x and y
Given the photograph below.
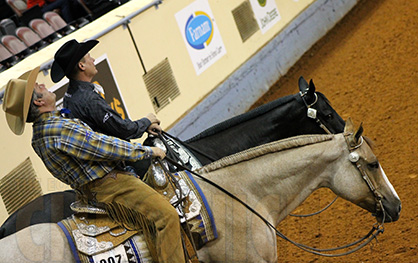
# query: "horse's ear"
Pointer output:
{"type": "Point", "coordinates": [349, 126]}
{"type": "Point", "coordinates": [359, 133]}
{"type": "Point", "coordinates": [353, 136]}
{"type": "Point", "coordinates": [310, 93]}
{"type": "Point", "coordinates": [312, 86]}
{"type": "Point", "coordinates": [303, 85]}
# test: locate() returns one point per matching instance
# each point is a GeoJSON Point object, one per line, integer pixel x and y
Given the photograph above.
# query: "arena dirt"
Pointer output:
{"type": "Point", "coordinates": [367, 67]}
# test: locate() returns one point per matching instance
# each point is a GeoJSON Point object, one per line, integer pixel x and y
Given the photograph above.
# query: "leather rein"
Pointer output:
{"type": "Point", "coordinates": [312, 113]}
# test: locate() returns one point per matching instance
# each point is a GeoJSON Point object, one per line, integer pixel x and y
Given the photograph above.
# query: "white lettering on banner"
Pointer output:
{"type": "Point", "coordinates": [199, 31]}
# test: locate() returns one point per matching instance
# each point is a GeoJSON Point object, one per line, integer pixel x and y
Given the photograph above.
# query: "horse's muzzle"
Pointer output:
{"type": "Point", "coordinates": [392, 211]}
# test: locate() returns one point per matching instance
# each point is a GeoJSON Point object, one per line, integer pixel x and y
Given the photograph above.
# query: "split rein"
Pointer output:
{"type": "Point", "coordinates": [372, 234]}
{"type": "Point", "coordinates": [311, 113]}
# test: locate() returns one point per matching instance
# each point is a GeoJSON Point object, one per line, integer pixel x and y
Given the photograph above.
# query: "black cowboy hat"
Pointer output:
{"type": "Point", "coordinates": [68, 56]}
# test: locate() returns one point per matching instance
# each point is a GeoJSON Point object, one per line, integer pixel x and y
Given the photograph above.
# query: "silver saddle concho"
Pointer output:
{"type": "Point", "coordinates": [95, 235]}
{"type": "Point", "coordinates": [159, 180]}
{"type": "Point", "coordinates": [189, 206]}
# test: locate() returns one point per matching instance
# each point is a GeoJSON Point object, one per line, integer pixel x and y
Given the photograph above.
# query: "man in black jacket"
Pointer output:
{"type": "Point", "coordinates": [83, 99]}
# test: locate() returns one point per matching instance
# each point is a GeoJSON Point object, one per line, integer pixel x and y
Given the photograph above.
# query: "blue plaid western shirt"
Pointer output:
{"type": "Point", "coordinates": [77, 155]}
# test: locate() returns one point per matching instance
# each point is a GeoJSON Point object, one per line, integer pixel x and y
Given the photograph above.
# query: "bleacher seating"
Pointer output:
{"type": "Point", "coordinates": [5, 10]}
{"type": "Point", "coordinates": [18, 6]}
{"type": "Point", "coordinates": [7, 27]}
{"type": "Point", "coordinates": [44, 30]}
{"type": "Point", "coordinates": [7, 59]}
{"type": "Point", "coordinates": [58, 24]}
{"type": "Point", "coordinates": [30, 38]}
{"type": "Point", "coordinates": [16, 46]}
{"type": "Point", "coordinates": [29, 30]}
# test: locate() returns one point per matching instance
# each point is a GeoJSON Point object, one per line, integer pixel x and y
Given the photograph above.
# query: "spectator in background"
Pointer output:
{"type": "Point", "coordinates": [63, 7]}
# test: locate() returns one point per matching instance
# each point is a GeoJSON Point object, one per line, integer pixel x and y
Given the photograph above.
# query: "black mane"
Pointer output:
{"type": "Point", "coordinates": [217, 128]}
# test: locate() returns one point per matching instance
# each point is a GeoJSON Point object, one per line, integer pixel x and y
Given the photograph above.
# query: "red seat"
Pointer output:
{"type": "Point", "coordinates": [30, 38]}
{"type": "Point", "coordinates": [57, 23]}
{"type": "Point", "coordinates": [5, 54]}
{"type": "Point", "coordinates": [44, 30]}
{"type": "Point", "coordinates": [7, 59]}
{"type": "Point", "coordinates": [13, 44]}
{"type": "Point", "coordinates": [18, 6]}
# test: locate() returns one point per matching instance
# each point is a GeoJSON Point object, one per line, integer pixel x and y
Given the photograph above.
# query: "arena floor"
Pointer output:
{"type": "Point", "coordinates": [367, 68]}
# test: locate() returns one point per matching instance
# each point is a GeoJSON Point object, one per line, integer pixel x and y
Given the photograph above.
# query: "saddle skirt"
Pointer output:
{"type": "Point", "coordinates": [93, 235]}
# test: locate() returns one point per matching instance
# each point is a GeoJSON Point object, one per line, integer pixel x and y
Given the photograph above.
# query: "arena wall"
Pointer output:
{"type": "Point", "coordinates": [139, 36]}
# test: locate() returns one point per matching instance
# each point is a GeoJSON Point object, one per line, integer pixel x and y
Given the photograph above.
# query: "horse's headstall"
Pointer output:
{"type": "Point", "coordinates": [303, 94]}
{"type": "Point", "coordinates": [353, 144]}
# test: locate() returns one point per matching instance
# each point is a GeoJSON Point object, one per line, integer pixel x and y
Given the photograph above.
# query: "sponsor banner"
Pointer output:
{"type": "Point", "coordinates": [104, 78]}
{"type": "Point", "coordinates": [266, 13]}
{"type": "Point", "coordinates": [200, 34]}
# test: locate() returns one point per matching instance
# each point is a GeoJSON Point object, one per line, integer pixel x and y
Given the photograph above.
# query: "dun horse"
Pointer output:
{"type": "Point", "coordinates": [273, 179]}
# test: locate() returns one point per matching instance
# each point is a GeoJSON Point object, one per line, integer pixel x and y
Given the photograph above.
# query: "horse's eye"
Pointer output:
{"type": "Point", "coordinates": [329, 117]}
{"type": "Point", "coordinates": [373, 165]}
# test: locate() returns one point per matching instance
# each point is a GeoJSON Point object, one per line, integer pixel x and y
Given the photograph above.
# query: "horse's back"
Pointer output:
{"type": "Point", "coordinates": [37, 243]}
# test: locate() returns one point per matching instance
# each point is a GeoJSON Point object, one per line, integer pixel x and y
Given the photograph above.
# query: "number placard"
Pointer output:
{"type": "Point", "coordinates": [115, 255]}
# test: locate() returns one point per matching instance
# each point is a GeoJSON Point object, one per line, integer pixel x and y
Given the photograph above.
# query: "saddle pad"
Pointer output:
{"type": "Point", "coordinates": [204, 223]}
{"type": "Point", "coordinates": [133, 250]}
{"type": "Point", "coordinates": [92, 236]}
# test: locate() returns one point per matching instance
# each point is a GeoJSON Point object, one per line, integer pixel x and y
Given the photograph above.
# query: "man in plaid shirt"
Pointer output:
{"type": "Point", "coordinates": [90, 163]}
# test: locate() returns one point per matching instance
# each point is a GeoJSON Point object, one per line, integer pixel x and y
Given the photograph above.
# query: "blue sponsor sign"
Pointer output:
{"type": "Point", "coordinates": [199, 30]}
{"type": "Point", "coordinates": [201, 35]}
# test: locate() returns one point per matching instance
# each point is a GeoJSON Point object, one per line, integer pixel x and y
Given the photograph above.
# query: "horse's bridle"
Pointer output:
{"type": "Point", "coordinates": [354, 157]}
{"type": "Point", "coordinates": [312, 113]}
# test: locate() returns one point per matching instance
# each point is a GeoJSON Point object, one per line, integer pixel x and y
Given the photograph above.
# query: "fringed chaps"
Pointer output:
{"type": "Point", "coordinates": [136, 206]}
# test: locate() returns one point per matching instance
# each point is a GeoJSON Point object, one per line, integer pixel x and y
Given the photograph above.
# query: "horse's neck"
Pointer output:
{"type": "Point", "coordinates": [248, 117]}
{"type": "Point", "coordinates": [279, 182]}
{"type": "Point", "coordinates": [262, 125]}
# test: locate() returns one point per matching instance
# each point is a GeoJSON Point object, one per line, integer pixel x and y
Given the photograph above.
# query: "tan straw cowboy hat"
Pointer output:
{"type": "Point", "coordinates": [17, 99]}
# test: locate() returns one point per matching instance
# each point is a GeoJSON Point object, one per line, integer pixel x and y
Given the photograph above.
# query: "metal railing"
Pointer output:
{"type": "Point", "coordinates": [123, 22]}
